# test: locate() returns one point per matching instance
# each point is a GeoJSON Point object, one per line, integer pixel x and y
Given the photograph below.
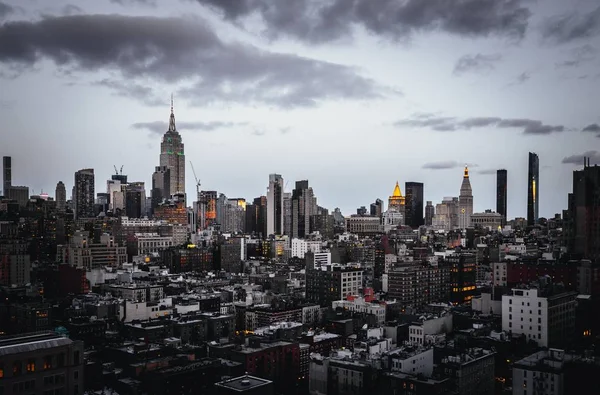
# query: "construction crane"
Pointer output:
{"type": "Point", "coordinates": [118, 172]}
{"type": "Point", "coordinates": [197, 181]}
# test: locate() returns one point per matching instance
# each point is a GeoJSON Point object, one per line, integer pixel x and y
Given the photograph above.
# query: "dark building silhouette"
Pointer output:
{"type": "Point", "coordinates": [533, 187]}
{"type": "Point", "coordinates": [413, 207]}
{"type": "Point", "coordinates": [501, 194]}
{"type": "Point", "coordinates": [161, 185]}
{"type": "Point", "coordinates": [133, 204]}
{"type": "Point", "coordinates": [256, 216]}
{"type": "Point", "coordinates": [303, 206]}
{"type": "Point", "coordinates": [583, 230]}
{"type": "Point", "coordinates": [362, 210]}
{"type": "Point", "coordinates": [84, 193]}
{"type": "Point", "coordinates": [429, 213]}
{"type": "Point", "coordinates": [7, 174]}
{"type": "Point", "coordinates": [376, 208]}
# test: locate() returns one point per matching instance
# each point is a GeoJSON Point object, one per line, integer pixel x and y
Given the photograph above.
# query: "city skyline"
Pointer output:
{"type": "Point", "coordinates": [94, 111]}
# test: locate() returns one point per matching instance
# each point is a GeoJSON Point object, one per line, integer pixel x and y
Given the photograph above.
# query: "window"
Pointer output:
{"type": "Point", "coordinates": [539, 304]}
{"type": "Point", "coordinates": [17, 368]}
{"type": "Point", "coordinates": [76, 358]}
{"type": "Point", "coordinates": [31, 366]}
{"type": "Point", "coordinates": [47, 362]}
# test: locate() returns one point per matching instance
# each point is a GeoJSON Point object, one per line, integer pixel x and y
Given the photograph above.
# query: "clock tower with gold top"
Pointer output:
{"type": "Point", "coordinates": [465, 202]}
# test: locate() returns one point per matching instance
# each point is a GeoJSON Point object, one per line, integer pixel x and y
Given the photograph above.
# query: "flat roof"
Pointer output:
{"type": "Point", "coordinates": [244, 383]}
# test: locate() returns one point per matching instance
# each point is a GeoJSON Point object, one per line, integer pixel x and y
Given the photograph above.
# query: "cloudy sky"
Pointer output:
{"type": "Point", "coordinates": [349, 94]}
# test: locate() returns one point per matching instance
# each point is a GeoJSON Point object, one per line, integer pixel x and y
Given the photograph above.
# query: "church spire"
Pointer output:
{"type": "Point", "coordinates": [172, 127]}
{"type": "Point", "coordinates": [466, 172]}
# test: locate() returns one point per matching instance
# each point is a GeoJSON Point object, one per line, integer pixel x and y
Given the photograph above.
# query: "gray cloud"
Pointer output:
{"type": "Point", "coordinates": [573, 26]}
{"type": "Point", "coordinates": [448, 164]}
{"type": "Point", "coordinates": [528, 126]}
{"type": "Point", "coordinates": [476, 63]}
{"type": "Point", "coordinates": [160, 127]}
{"type": "Point", "coordinates": [522, 78]}
{"type": "Point", "coordinates": [170, 50]}
{"type": "Point", "coordinates": [258, 132]}
{"type": "Point", "coordinates": [488, 172]}
{"type": "Point", "coordinates": [594, 128]}
{"type": "Point", "coordinates": [71, 9]}
{"type": "Point", "coordinates": [5, 10]}
{"type": "Point", "coordinates": [579, 56]}
{"type": "Point", "coordinates": [127, 2]}
{"type": "Point", "coordinates": [319, 21]}
{"type": "Point", "coordinates": [578, 159]}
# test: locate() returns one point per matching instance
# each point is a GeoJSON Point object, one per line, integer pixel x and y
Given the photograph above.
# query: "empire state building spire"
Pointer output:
{"type": "Point", "coordinates": [172, 127]}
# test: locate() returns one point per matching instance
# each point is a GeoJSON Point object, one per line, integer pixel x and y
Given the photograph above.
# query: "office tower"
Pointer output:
{"type": "Point", "coordinates": [429, 213]}
{"type": "Point", "coordinates": [533, 187]}
{"type": "Point", "coordinates": [583, 229]}
{"type": "Point", "coordinates": [135, 200]}
{"type": "Point", "coordinates": [84, 194]}
{"type": "Point", "coordinates": [376, 208]}
{"type": "Point", "coordinates": [7, 174]}
{"type": "Point", "coordinates": [61, 197]}
{"type": "Point", "coordinates": [304, 204]}
{"type": "Point", "coordinates": [20, 194]}
{"type": "Point", "coordinates": [172, 156]}
{"type": "Point", "coordinates": [275, 205]}
{"type": "Point", "coordinates": [413, 216]}
{"type": "Point", "coordinates": [102, 202]}
{"type": "Point", "coordinates": [465, 202]}
{"type": "Point", "coordinates": [287, 213]}
{"type": "Point", "coordinates": [362, 210]}
{"type": "Point", "coordinates": [207, 213]}
{"type": "Point", "coordinates": [501, 194]}
{"type": "Point", "coordinates": [446, 214]}
{"type": "Point", "coordinates": [161, 185]}
{"type": "Point", "coordinates": [396, 201]}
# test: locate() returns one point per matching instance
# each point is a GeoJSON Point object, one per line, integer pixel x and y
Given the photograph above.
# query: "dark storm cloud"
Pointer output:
{"type": "Point", "coordinates": [528, 126]}
{"type": "Point", "coordinates": [160, 127]}
{"type": "Point", "coordinates": [127, 2]}
{"type": "Point", "coordinates": [594, 128]}
{"type": "Point", "coordinates": [171, 50]}
{"type": "Point", "coordinates": [319, 21]}
{"type": "Point", "coordinates": [578, 159]}
{"type": "Point", "coordinates": [5, 10]}
{"type": "Point", "coordinates": [476, 63]}
{"type": "Point", "coordinates": [573, 26]}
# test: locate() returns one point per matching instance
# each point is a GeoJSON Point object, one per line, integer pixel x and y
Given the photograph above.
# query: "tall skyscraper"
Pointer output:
{"type": "Point", "coordinates": [61, 197]}
{"type": "Point", "coordinates": [275, 205]}
{"type": "Point", "coordinates": [414, 204]}
{"type": "Point", "coordinates": [304, 204]}
{"type": "Point", "coordinates": [533, 187]}
{"type": "Point", "coordinates": [7, 174]}
{"type": "Point", "coordinates": [256, 213]}
{"type": "Point", "coordinates": [465, 202]}
{"type": "Point", "coordinates": [287, 213]}
{"type": "Point", "coordinates": [583, 225]}
{"type": "Point", "coordinates": [135, 200]}
{"type": "Point", "coordinates": [501, 194]}
{"type": "Point", "coordinates": [429, 213]}
{"type": "Point", "coordinates": [84, 193]}
{"type": "Point", "coordinates": [173, 157]}
{"type": "Point", "coordinates": [161, 185]}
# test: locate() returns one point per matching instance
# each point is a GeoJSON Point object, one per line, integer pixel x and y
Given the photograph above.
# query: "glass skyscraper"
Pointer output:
{"type": "Point", "coordinates": [533, 187]}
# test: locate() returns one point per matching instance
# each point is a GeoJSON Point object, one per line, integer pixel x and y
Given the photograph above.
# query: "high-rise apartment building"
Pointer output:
{"type": "Point", "coordinates": [6, 174]}
{"type": "Point", "coordinates": [61, 197]}
{"type": "Point", "coordinates": [465, 202]}
{"type": "Point", "coordinates": [429, 213]}
{"type": "Point", "coordinates": [413, 216]}
{"type": "Point", "coordinates": [275, 205]}
{"type": "Point", "coordinates": [533, 187]}
{"type": "Point", "coordinates": [501, 194]}
{"type": "Point", "coordinates": [84, 193]}
{"type": "Point", "coordinates": [304, 204]}
{"type": "Point", "coordinates": [173, 157]}
{"type": "Point", "coordinates": [583, 229]}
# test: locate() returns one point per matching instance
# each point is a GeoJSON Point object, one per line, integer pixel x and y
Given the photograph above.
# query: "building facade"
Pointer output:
{"type": "Point", "coordinates": [501, 193]}
{"type": "Point", "coordinates": [533, 186]}
{"type": "Point", "coordinates": [172, 156]}
{"type": "Point", "coordinates": [275, 205]}
{"type": "Point", "coordinates": [465, 202]}
{"type": "Point", "coordinates": [61, 197]}
{"type": "Point", "coordinates": [414, 204]}
{"type": "Point", "coordinates": [84, 194]}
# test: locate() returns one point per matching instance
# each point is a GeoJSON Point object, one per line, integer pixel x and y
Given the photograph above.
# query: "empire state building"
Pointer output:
{"type": "Point", "coordinates": [172, 156]}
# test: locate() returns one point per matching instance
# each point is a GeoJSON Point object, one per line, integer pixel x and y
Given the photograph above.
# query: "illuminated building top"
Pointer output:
{"type": "Point", "coordinates": [396, 201]}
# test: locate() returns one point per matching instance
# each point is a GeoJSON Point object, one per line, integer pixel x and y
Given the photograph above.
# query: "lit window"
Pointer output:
{"type": "Point", "coordinates": [47, 362]}
{"type": "Point", "coordinates": [31, 365]}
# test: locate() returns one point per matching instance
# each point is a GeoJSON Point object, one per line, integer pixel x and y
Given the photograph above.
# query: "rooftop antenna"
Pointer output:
{"type": "Point", "coordinates": [171, 103]}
